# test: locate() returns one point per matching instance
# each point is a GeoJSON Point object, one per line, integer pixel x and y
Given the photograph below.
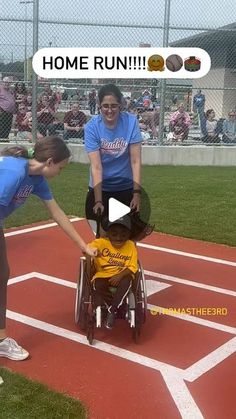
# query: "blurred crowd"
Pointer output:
{"type": "Point", "coordinates": [57, 112]}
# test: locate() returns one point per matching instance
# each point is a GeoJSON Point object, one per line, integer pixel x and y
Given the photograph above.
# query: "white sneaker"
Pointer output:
{"type": "Point", "coordinates": [10, 349]}
{"type": "Point", "coordinates": [1, 380]}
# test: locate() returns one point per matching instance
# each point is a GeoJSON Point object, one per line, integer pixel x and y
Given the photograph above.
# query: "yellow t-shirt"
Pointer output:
{"type": "Point", "coordinates": [112, 261]}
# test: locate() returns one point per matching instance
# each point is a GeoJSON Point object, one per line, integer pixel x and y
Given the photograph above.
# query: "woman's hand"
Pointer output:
{"type": "Point", "coordinates": [135, 203]}
{"type": "Point", "coordinates": [98, 208]}
{"type": "Point", "coordinates": [90, 251]}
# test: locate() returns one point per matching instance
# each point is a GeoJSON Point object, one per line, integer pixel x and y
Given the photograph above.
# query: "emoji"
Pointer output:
{"type": "Point", "coordinates": [174, 62]}
{"type": "Point", "coordinates": [155, 63]}
{"type": "Point", "coordinates": [192, 64]}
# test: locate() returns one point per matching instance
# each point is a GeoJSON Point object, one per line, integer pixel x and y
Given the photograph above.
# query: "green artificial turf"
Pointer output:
{"type": "Point", "coordinates": [21, 398]}
{"type": "Point", "coordinates": [194, 202]}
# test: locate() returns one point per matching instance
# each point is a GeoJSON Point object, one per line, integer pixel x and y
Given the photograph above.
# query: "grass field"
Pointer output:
{"type": "Point", "coordinates": [194, 202]}
{"type": "Point", "coordinates": [24, 399]}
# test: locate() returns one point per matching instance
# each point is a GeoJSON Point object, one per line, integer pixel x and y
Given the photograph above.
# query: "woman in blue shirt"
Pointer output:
{"type": "Point", "coordinates": [113, 143]}
{"type": "Point", "coordinates": [24, 172]}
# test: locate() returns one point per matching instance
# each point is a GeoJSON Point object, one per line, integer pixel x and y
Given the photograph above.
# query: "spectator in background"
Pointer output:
{"type": "Point", "coordinates": [92, 102]}
{"type": "Point", "coordinates": [20, 93]}
{"type": "Point", "coordinates": [229, 128]}
{"type": "Point", "coordinates": [23, 123]}
{"type": "Point", "coordinates": [180, 114]}
{"type": "Point", "coordinates": [149, 121]}
{"type": "Point", "coordinates": [180, 122]}
{"type": "Point", "coordinates": [210, 127]}
{"type": "Point", "coordinates": [146, 99]}
{"type": "Point", "coordinates": [74, 122]}
{"type": "Point", "coordinates": [199, 104]}
{"type": "Point", "coordinates": [47, 122]}
{"type": "Point", "coordinates": [28, 102]}
{"type": "Point", "coordinates": [51, 95]}
{"type": "Point", "coordinates": [7, 108]}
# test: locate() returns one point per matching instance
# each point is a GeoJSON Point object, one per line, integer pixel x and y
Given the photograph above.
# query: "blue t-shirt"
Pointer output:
{"type": "Point", "coordinates": [16, 184]}
{"type": "Point", "coordinates": [113, 145]}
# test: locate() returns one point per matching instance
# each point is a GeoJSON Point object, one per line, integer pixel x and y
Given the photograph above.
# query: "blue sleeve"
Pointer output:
{"type": "Point", "coordinates": [91, 139]}
{"type": "Point", "coordinates": [42, 190]}
{"type": "Point", "coordinates": [9, 183]}
{"type": "Point", "coordinates": [136, 136]}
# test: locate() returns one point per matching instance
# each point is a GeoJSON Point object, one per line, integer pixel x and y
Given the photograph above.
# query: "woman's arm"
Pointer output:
{"type": "Point", "coordinates": [135, 160]}
{"type": "Point", "coordinates": [96, 170]}
{"type": "Point", "coordinates": [63, 221]}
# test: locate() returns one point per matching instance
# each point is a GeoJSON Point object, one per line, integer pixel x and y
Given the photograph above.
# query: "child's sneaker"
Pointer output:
{"type": "Point", "coordinates": [1, 380]}
{"type": "Point", "coordinates": [111, 317]}
{"type": "Point", "coordinates": [10, 349]}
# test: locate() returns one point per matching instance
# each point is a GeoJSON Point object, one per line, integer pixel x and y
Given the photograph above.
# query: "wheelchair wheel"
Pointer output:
{"type": "Point", "coordinates": [141, 295]}
{"type": "Point", "coordinates": [79, 291]}
{"type": "Point", "coordinates": [140, 305]}
{"type": "Point", "coordinates": [82, 301]}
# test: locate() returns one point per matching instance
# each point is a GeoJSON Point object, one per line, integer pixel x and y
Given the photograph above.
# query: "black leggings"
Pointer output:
{"type": "Point", "coordinates": [4, 276]}
{"type": "Point", "coordinates": [102, 292]}
{"type": "Point", "coordinates": [123, 196]}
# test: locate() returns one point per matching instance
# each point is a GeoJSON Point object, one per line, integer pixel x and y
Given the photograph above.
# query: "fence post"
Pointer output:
{"type": "Point", "coordinates": [163, 81]}
{"type": "Point", "coordinates": [34, 75]}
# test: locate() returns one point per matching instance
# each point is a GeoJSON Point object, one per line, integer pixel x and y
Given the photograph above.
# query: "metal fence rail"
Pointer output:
{"type": "Point", "coordinates": [29, 25]}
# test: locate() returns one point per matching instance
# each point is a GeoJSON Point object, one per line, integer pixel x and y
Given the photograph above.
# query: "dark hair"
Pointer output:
{"type": "Point", "coordinates": [208, 112]}
{"type": "Point", "coordinates": [110, 89]}
{"type": "Point", "coordinates": [45, 148]}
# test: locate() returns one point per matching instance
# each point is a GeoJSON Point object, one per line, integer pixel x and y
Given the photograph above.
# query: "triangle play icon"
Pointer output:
{"type": "Point", "coordinates": [116, 209]}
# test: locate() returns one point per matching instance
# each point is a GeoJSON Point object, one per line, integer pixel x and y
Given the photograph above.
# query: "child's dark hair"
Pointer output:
{"type": "Point", "coordinates": [208, 112]}
{"type": "Point", "coordinates": [110, 89]}
{"type": "Point", "coordinates": [45, 148]}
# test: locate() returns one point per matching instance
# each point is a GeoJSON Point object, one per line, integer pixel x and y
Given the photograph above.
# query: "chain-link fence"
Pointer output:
{"type": "Point", "coordinates": [177, 111]}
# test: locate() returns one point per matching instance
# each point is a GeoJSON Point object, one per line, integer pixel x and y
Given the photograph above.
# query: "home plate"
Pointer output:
{"type": "Point", "coordinates": [155, 286]}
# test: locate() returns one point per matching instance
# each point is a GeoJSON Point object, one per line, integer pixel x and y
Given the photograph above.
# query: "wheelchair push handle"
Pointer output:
{"type": "Point", "coordinates": [98, 221]}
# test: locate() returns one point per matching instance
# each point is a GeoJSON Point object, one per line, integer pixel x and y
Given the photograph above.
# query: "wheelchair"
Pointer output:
{"type": "Point", "coordinates": [89, 318]}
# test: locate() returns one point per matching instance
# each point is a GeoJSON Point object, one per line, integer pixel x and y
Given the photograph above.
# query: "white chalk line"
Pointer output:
{"type": "Point", "coordinates": [191, 283]}
{"type": "Point", "coordinates": [193, 319]}
{"type": "Point", "coordinates": [212, 359]}
{"type": "Point", "coordinates": [171, 375]}
{"type": "Point", "coordinates": [36, 228]}
{"type": "Point", "coordinates": [144, 245]}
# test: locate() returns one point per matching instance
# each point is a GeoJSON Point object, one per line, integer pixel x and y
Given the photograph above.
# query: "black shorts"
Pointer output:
{"type": "Point", "coordinates": [123, 196]}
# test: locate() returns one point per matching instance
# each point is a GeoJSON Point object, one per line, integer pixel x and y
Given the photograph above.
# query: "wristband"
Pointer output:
{"type": "Point", "coordinates": [137, 191]}
{"type": "Point", "coordinates": [30, 153]}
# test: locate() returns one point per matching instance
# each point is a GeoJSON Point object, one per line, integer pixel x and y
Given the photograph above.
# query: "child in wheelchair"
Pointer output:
{"type": "Point", "coordinates": [115, 267]}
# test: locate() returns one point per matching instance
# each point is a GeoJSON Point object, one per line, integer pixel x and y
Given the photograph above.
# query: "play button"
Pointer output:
{"type": "Point", "coordinates": [116, 210]}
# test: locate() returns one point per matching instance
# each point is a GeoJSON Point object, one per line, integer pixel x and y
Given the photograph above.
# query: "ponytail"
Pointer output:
{"type": "Point", "coordinates": [15, 151]}
{"type": "Point", "coordinates": [45, 148]}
